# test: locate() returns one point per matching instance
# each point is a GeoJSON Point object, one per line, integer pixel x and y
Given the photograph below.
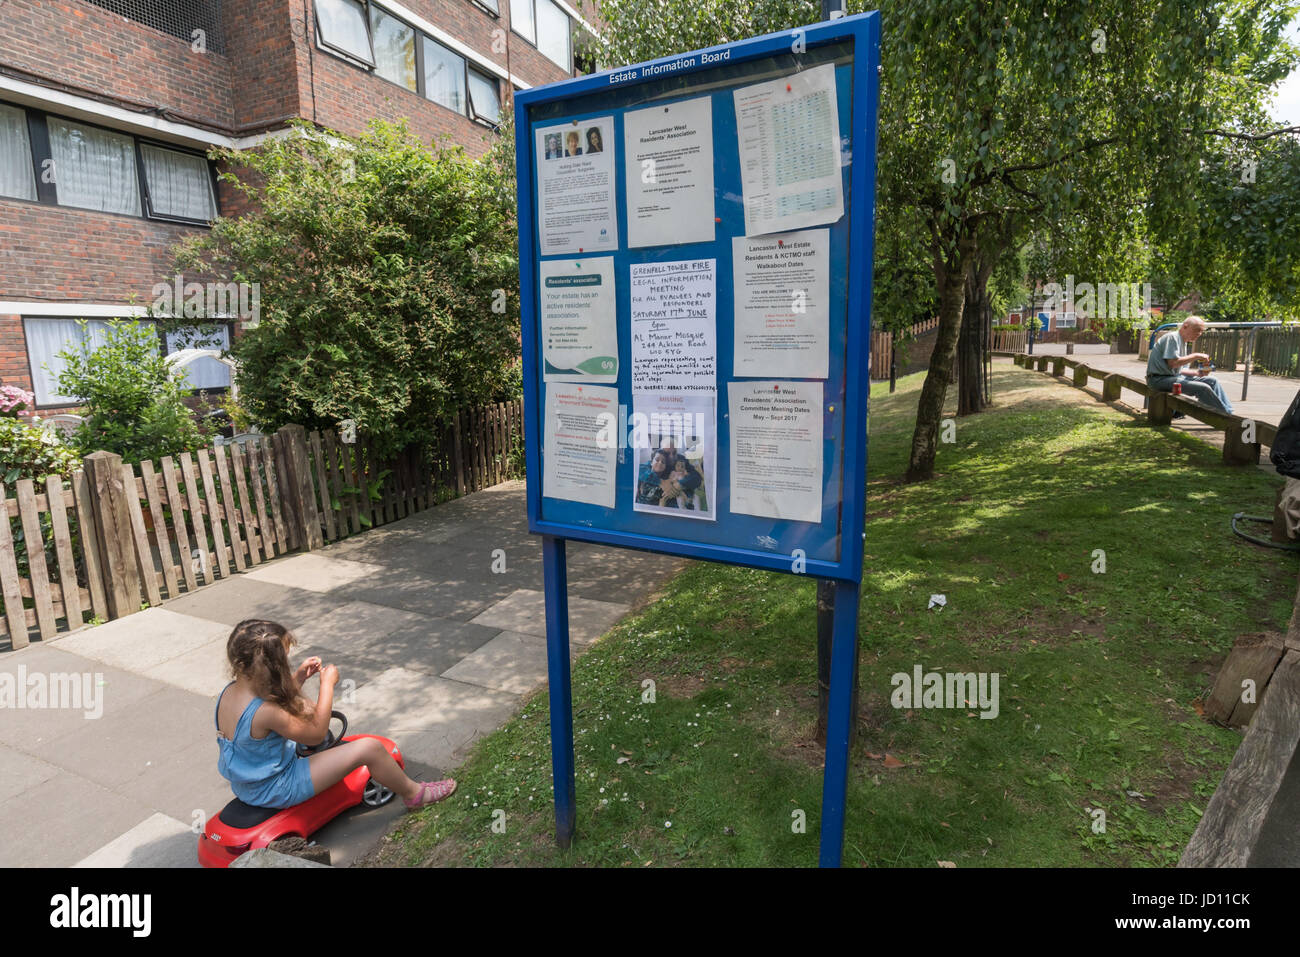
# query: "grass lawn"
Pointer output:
{"type": "Point", "coordinates": [1100, 675]}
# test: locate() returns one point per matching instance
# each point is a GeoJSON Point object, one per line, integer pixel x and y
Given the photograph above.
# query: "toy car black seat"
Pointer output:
{"type": "Point", "coordinates": [241, 816]}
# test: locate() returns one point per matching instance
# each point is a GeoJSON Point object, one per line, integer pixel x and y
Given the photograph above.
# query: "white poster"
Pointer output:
{"type": "Point", "coordinates": [776, 449]}
{"type": "Point", "coordinates": [789, 136]}
{"type": "Point", "coordinates": [675, 438]}
{"type": "Point", "coordinates": [674, 338]}
{"type": "Point", "coordinates": [579, 327]}
{"type": "Point", "coordinates": [668, 159]}
{"type": "Point", "coordinates": [782, 307]}
{"type": "Point", "coordinates": [575, 187]}
{"type": "Point", "coordinates": [580, 447]}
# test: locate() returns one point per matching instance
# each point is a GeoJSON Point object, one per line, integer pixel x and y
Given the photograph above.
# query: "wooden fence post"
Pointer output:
{"type": "Point", "coordinates": [299, 492]}
{"type": "Point", "coordinates": [111, 516]}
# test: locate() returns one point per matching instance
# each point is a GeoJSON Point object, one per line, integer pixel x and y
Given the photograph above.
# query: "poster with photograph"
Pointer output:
{"type": "Point", "coordinates": [675, 440]}
{"type": "Point", "coordinates": [668, 162]}
{"type": "Point", "coordinates": [576, 210]}
{"type": "Point", "coordinates": [579, 320]}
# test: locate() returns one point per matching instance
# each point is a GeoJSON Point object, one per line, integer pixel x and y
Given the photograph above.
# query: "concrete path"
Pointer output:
{"type": "Point", "coordinates": [434, 648]}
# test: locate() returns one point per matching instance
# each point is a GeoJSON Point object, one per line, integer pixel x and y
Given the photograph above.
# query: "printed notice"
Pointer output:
{"type": "Point", "coordinates": [579, 453]}
{"type": "Point", "coordinates": [668, 157]}
{"type": "Point", "coordinates": [675, 437]}
{"type": "Point", "coordinates": [789, 137]}
{"type": "Point", "coordinates": [782, 287]}
{"type": "Point", "coordinates": [579, 328]}
{"type": "Point", "coordinates": [575, 187]}
{"type": "Point", "coordinates": [674, 340]}
{"type": "Point", "coordinates": [776, 449]}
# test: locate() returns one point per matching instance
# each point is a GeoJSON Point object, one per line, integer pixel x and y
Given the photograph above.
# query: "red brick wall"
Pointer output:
{"type": "Point", "coordinates": [89, 48]}
{"type": "Point", "coordinates": [60, 254]}
{"type": "Point", "coordinates": [13, 353]}
{"type": "Point", "coordinates": [263, 57]}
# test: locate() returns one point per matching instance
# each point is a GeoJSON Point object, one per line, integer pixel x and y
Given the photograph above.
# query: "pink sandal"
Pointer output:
{"type": "Point", "coordinates": [431, 792]}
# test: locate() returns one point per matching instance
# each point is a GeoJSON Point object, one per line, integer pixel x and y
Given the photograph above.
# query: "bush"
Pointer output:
{"type": "Point", "coordinates": [134, 406]}
{"type": "Point", "coordinates": [388, 281]}
{"type": "Point", "coordinates": [30, 451]}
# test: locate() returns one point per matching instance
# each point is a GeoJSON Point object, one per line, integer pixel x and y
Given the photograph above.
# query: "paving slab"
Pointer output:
{"type": "Point", "coordinates": [27, 729]}
{"type": "Point", "coordinates": [185, 785]}
{"type": "Point", "coordinates": [525, 611]}
{"type": "Point", "coordinates": [427, 644]}
{"type": "Point", "coordinates": [126, 743]}
{"type": "Point", "coordinates": [455, 598]}
{"type": "Point", "coordinates": [204, 671]}
{"type": "Point", "coordinates": [511, 662]}
{"type": "Point", "coordinates": [312, 571]}
{"type": "Point", "coordinates": [157, 841]}
{"type": "Point", "coordinates": [401, 704]}
{"type": "Point", "coordinates": [144, 640]}
{"type": "Point", "coordinates": [61, 820]}
{"type": "Point", "coordinates": [241, 596]}
{"type": "Point", "coordinates": [20, 772]}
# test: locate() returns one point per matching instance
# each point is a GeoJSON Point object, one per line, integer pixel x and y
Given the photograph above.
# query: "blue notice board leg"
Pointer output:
{"type": "Point", "coordinates": [561, 693]}
{"type": "Point", "coordinates": [839, 718]}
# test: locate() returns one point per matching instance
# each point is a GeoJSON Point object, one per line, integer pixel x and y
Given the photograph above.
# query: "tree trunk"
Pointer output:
{"type": "Point", "coordinates": [976, 320]}
{"type": "Point", "coordinates": [929, 410]}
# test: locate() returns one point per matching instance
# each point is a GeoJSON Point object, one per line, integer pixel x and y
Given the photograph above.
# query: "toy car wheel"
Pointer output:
{"type": "Point", "coordinates": [376, 795]}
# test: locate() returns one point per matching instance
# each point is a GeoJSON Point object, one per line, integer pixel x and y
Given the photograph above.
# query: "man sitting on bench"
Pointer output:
{"type": "Point", "coordinates": [1170, 354]}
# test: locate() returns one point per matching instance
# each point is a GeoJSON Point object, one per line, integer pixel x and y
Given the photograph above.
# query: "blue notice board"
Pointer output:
{"type": "Point", "coordinates": [767, 127]}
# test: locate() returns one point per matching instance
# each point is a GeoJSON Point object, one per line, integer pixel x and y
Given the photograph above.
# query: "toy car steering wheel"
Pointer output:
{"type": "Point", "coordinates": [305, 750]}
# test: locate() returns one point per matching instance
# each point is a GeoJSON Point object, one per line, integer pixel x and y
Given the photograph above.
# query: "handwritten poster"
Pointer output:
{"type": "Point", "coordinates": [575, 187]}
{"type": "Point", "coordinates": [674, 318]}
{"type": "Point", "coordinates": [776, 449]}
{"type": "Point", "coordinates": [578, 454]}
{"type": "Point", "coordinates": [782, 289]}
{"type": "Point", "coordinates": [668, 158]}
{"type": "Point", "coordinates": [789, 137]}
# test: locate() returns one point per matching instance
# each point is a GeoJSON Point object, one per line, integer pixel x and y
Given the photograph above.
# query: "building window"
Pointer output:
{"type": "Point", "coordinates": [16, 176]}
{"type": "Point", "coordinates": [89, 167]}
{"type": "Point", "coordinates": [553, 33]}
{"type": "Point", "coordinates": [522, 20]}
{"type": "Point", "coordinates": [178, 185]}
{"type": "Point", "coordinates": [484, 98]}
{"type": "Point", "coordinates": [93, 168]}
{"type": "Point", "coordinates": [1067, 321]}
{"type": "Point", "coordinates": [491, 6]}
{"type": "Point", "coordinates": [203, 373]}
{"type": "Point", "coordinates": [546, 26]}
{"type": "Point", "coordinates": [394, 44]}
{"type": "Point", "coordinates": [46, 338]}
{"type": "Point", "coordinates": [341, 25]}
{"type": "Point", "coordinates": [444, 76]}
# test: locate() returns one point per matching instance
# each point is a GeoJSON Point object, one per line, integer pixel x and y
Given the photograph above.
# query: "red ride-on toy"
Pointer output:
{"type": "Point", "coordinates": [242, 827]}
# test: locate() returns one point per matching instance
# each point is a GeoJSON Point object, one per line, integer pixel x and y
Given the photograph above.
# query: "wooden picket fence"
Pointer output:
{"type": "Point", "coordinates": [115, 537]}
{"type": "Point", "coordinates": [882, 344]}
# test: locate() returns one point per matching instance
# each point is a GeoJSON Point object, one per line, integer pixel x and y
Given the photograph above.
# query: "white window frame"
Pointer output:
{"type": "Point", "coordinates": [342, 51]}
{"type": "Point", "coordinates": [533, 40]}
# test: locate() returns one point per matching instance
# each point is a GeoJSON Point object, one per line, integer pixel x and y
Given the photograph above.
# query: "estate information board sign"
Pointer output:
{"type": "Point", "coordinates": [695, 241]}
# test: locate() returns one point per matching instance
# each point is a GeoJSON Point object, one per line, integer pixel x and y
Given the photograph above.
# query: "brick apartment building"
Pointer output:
{"type": "Point", "coordinates": [107, 108]}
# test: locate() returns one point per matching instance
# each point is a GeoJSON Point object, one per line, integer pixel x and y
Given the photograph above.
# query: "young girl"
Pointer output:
{"type": "Point", "coordinates": [261, 715]}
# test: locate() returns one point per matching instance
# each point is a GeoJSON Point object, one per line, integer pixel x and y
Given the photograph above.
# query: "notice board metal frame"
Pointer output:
{"type": "Point", "coordinates": [599, 95]}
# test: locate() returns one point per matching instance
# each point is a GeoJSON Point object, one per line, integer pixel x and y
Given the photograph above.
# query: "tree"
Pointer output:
{"type": "Point", "coordinates": [388, 279]}
{"type": "Point", "coordinates": [134, 405]}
